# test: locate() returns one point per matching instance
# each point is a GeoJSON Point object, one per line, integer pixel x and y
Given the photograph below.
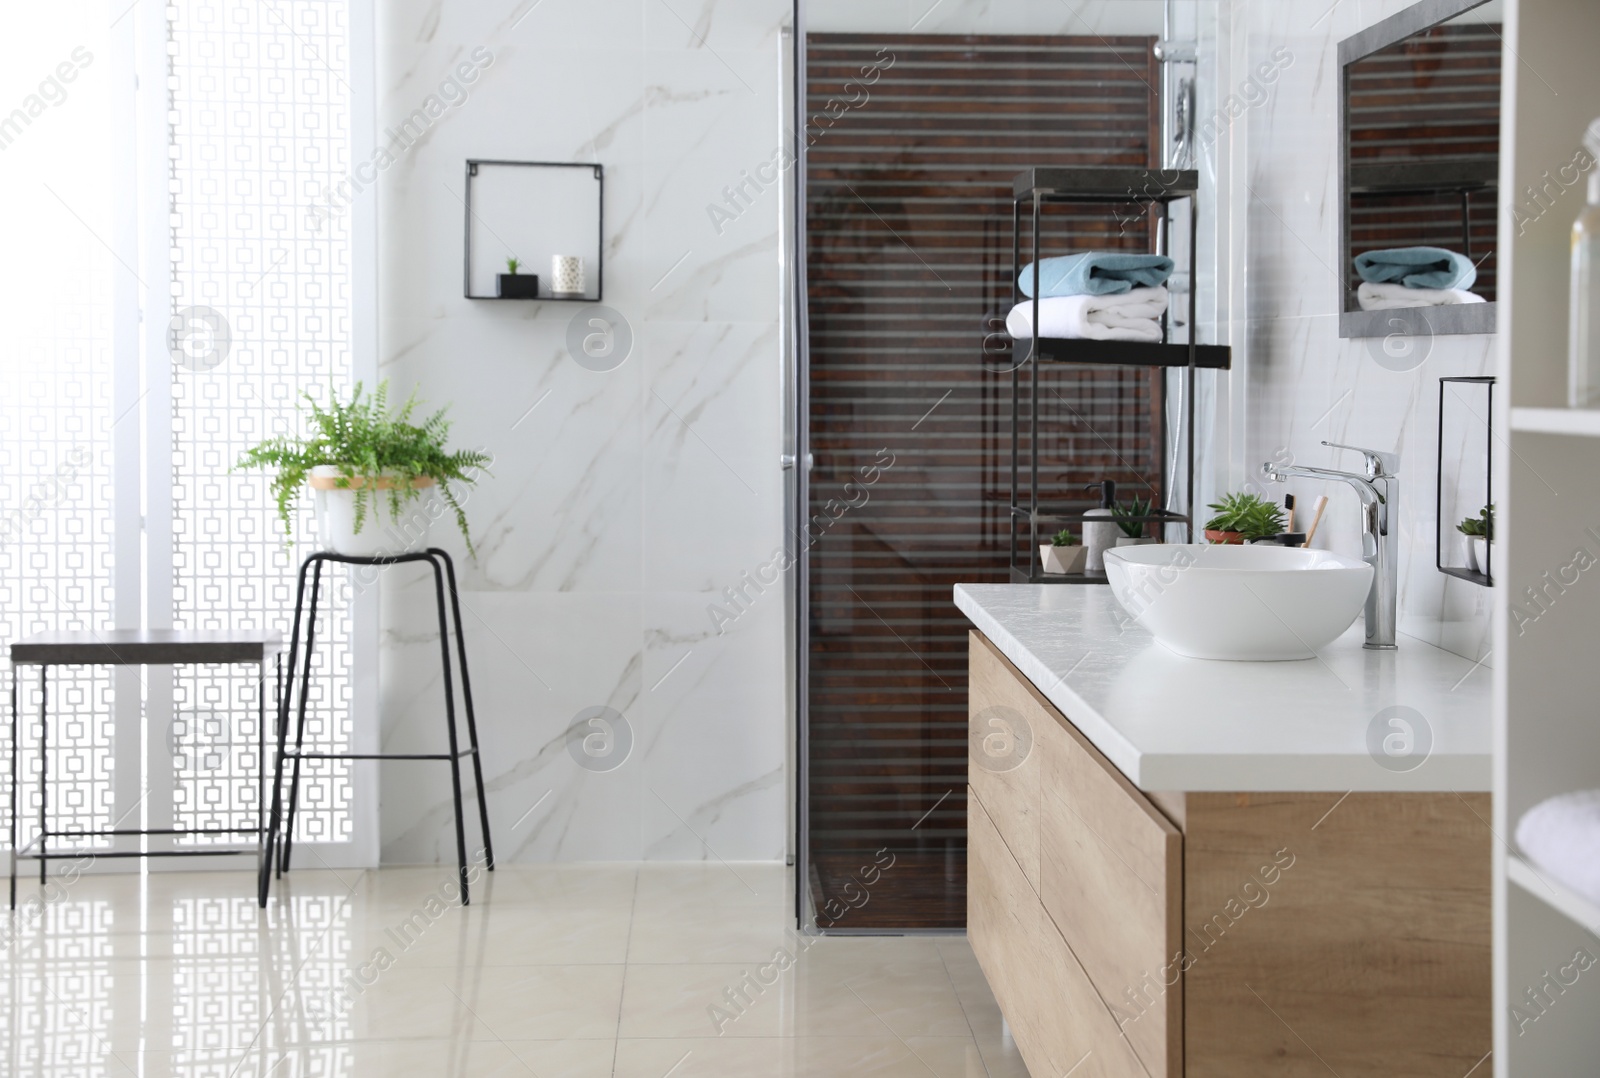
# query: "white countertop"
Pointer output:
{"type": "Point", "coordinates": [1173, 723]}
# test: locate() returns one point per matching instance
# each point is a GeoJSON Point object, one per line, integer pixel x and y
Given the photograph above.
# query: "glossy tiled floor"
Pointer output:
{"type": "Point", "coordinates": [554, 971]}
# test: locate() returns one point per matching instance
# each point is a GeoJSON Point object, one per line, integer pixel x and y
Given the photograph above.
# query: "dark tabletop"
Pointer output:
{"type": "Point", "coordinates": [140, 647]}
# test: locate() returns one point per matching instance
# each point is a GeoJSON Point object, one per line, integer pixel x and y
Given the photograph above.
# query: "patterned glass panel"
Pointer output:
{"type": "Point", "coordinates": [55, 392]}
{"type": "Point", "coordinates": [261, 288]}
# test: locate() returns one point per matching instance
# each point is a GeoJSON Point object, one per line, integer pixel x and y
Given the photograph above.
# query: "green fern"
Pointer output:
{"type": "Point", "coordinates": [363, 439]}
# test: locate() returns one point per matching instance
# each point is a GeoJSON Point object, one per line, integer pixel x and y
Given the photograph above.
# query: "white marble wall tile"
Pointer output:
{"type": "Point", "coordinates": [708, 682]}
{"type": "Point", "coordinates": [718, 26]}
{"type": "Point", "coordinates": [536, 662]}
{"type": "Point", "coordinates": [709, 125]}
{"type": "Point", "coordinates": [712, 484]}
{"type": "Point", "coordinates": [605, 519]}
{"type": "Point", "coordinates": [1305, 383]}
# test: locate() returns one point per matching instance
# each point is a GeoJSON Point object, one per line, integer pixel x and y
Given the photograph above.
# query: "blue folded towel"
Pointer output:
{"type": "Point", "coordinates": [1096, 273]}
{"type": "Point", "coordinates": [1417, 267]}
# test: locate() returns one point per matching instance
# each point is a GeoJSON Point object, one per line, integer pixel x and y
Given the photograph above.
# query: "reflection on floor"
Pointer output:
{"type": "Point", "coordinates": [562, 971]}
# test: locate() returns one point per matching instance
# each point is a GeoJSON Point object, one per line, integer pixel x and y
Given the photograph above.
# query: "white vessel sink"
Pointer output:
{"type": "Point", "coordinates": [1239, 602]}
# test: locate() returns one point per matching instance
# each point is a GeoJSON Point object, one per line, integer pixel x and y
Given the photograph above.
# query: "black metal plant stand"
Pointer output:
{"type": "Point", "coordinates": [443, 568]}
{"type": "Point", "coordinates": [1036, 188]}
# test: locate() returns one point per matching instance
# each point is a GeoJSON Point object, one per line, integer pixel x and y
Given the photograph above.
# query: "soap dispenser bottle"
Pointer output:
{"type": "Point", "coordinates": [1100, 527]}
{"type": "Point", "coordinates": [1583, 334]}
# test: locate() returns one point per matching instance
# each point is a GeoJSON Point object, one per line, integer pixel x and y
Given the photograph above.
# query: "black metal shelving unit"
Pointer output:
{"type": "Point", "coordinates": [1042, 186]}
{"type": "Point", "coordinates": [1483, 576]}
{"type": "Point", "coordinates": [1463, 178]}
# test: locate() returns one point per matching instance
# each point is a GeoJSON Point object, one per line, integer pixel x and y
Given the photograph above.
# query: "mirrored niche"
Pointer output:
{"type": "Point", "coordinates": [1420, 149]}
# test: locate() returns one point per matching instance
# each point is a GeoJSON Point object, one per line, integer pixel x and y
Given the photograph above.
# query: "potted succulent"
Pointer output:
{"type": "Point", "coordinates": [514, 285]}
{"type": "Point", "coordinates": [1243, 518]}
{"type": "Point", "coordinates": [1478, 533]}
{"type": "Point", "coordinates": [1133, 529]}
{"type": "Point", "coordinates": [1063, 554]}
{"type": "Point", "coordinates": [366, 466]}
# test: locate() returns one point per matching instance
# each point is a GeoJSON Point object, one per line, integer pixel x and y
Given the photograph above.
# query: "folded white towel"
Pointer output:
{"type": "Point", "coordinates": [1131, 316]}
{"type": "Point", "coordinates": [1394, 297]}
{"type": "Point", "coordinates": [1561, 837]}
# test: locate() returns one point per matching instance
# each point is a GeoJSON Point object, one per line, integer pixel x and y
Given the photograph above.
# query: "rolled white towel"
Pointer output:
{"type": "Point", "coordinates": [1131, 316]}
{"type": "Point", "coordinates": [1394, 297]}
{"type": "Point", "coordinates": [1561, 837]}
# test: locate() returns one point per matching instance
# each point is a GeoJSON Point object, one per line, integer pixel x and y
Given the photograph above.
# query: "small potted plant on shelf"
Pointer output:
{"type": "Point", "coordinates": [1243, 518]}
{"type": "Point", "coordinates": [373, 474]}
{"type": "Point", "coordinates": [1063, 554]}
{"type": "Point", "coordinates": [1478, 533]}
{"type": "Point", "coordinates": [1133, 529]}
{"type": "Point", "coordinates": [514, 285]}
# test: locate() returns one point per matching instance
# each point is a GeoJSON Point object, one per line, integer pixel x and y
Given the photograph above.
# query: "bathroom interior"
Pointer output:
{"type": "Point", "coordinates": [944, 537]}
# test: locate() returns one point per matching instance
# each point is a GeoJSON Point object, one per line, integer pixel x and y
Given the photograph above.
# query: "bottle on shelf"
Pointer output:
{"type": "Point", "coordinates": [1583, 334]}
{"type": "Point", "coordinates": [1100, 528]}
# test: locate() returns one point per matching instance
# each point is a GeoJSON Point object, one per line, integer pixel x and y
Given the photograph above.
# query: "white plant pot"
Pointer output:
{"type": "Point", "coordinates": [1469, 551]}
{"type": "Point", "coordinates": [1063, 559]}
{"type": "Point", "coordinates": [1480, 553]}
{"type": "Point", "coordinates": [381, 534]}
{"type": "Point", "coordinates": [1143, 540]}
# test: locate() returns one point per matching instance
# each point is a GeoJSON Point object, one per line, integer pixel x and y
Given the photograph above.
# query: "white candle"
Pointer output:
{"type": "Point", "coordinates": [566, 275]}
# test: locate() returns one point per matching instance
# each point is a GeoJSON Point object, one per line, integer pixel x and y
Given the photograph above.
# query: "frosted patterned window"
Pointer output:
{"type": "Point", "coordinates": [260, 108]}
{"type": "Point", "coordinates": [55, 389]}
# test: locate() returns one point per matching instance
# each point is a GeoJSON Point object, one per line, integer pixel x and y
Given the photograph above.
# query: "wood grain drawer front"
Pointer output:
{"type": "Point", "coordinates": [1004, 715]}
{"type": "Point", "coordinates": [1343, 933]}
{"type": "Point", "coordinates": [1111, 869]}
{"type": "Point", "coordinates": [1056, 1016]}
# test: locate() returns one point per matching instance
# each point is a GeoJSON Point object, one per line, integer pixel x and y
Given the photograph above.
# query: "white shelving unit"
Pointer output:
{"type": "Point", "coordinates": [1553, 893]}
{"type": "Point", "coordinates": [1547, 493]}
{"type": "Point", "coordinates": [1580, 422]}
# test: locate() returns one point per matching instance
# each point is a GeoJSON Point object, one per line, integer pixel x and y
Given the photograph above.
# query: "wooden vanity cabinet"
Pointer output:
{"type": "Point", "coordinates": [1215, 935]}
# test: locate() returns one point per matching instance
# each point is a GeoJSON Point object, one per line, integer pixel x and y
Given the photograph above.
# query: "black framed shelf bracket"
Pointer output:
{"type": "Point", "coordinates": [599, 172]}
{"type": "Point", "coordinates": [1484, 575]}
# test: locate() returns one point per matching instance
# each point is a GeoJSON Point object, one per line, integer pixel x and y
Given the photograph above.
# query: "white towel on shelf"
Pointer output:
{"type": "Point", "coordinates": [1131, 316]}
{"type": "Point", "coordinates": [1394, 297]}
{"type": "Point", "coordinates": [1561, 837]}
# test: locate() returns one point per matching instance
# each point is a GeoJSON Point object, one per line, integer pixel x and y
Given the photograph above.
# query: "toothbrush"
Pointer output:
{"type": "Point", "coordinates": [1317, 507]}
{"type": "Point", "coordinates": [1288, 506]}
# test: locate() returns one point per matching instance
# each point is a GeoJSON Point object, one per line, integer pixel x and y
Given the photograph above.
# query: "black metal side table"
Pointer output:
{"type": "Point", "coordinates": [131, 647]}
{"type": "Point", "coordinates": [281, 821]}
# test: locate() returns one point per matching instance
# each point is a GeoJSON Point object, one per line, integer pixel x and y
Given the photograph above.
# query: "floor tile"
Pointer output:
{"type": "Point", "coordinates": [493, 935]}
{"type": "Point", "coordinates": [685, 1000]}
{"type": "Point", "coordinates": [707, 933]}
{"type": "Point", "coordinates": [367, 1059]}
{"type": "Point", "coordinates": [714, 883]}
{"type": "Point", "coordinates": [693, 966]}
{"type": "Point", "coordinates": [542, 1002]}
{"type": "Point", "coordinates": [567, 1059]}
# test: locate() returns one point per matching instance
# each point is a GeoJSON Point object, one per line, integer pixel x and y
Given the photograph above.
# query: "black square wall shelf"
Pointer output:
{"type": "Point", "coordinates": [533, 211]}
{"type": "Point", "coordinates": [1464, 484]}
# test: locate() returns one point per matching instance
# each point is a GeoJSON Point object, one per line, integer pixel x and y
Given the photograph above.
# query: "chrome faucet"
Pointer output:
{"type": "Point", "coordinates": [1379, 491]}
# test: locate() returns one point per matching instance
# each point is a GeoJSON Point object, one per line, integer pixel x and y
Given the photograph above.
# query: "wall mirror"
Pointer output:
{"type": "Point", "coordinates": [1420, 144]}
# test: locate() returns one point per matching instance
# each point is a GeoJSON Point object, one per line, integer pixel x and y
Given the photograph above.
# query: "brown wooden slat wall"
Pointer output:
{"type": "Point", "coordinates": [1437, 98]}
{"type": "Point", "coordinates": [909, 249]}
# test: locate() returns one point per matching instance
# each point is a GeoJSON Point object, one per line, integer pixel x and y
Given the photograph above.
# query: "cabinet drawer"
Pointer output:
{"type": "Point", "coordinates": [1003, 719]}
{"type": "Point", "coordinates": [1111, 879]}
{"type": "Point", "coordinates": [1060, 1023]}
